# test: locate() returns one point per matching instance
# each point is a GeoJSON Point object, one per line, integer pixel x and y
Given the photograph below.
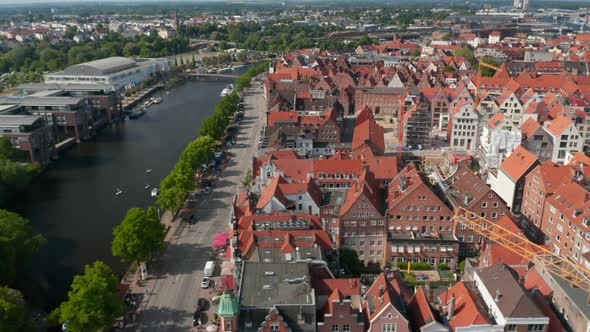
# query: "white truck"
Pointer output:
{"type": "Point", "coordinates": [209, 268]}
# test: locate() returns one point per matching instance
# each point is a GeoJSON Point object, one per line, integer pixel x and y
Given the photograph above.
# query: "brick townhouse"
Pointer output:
{"type": "Point", "coordinates": [464, 189]}
{"type": "Point", "coordinates": [540, 184]}
{"type": "Point", "coordinates": [362, 219]}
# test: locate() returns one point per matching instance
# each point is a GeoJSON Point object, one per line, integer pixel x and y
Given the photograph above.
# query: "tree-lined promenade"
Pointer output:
{"type": "Point", "coordinates": [93, 302]}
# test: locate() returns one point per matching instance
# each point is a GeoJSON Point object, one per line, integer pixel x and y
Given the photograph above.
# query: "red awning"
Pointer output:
{"type": "Point", "coordinates": [220, 239]}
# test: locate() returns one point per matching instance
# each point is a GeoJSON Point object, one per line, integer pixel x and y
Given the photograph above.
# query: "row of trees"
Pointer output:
{"type": "Point", "coordinates": [93, 302]}
{"type": "Point", "coordinates": [174, 187]}
{"type": "Point", "coordinates": [43, 56]}
{"type": "Point", "coordinates": [245, 80]}
{"type": "Point", "coordinates": [18, 244]}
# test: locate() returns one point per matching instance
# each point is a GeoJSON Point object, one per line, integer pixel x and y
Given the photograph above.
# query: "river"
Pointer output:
{"type": "Point", "coordinates": [73, 204]}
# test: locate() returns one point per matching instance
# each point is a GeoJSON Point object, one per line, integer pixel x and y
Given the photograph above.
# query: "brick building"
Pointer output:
{"type": "Point", "coordinates": [413, 205]}
{"type": "Point", "coordinates": [566, 222]}
{"type": "Point", "coordinates": [464, 189]}
{"type": "Point", "coordinates": [540, 184]}
{"type": "Point", "coordinates": [362, 220]}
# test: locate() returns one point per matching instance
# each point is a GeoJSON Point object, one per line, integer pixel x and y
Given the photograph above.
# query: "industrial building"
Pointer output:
{"type": "Point", "coordinates": [118, 72]}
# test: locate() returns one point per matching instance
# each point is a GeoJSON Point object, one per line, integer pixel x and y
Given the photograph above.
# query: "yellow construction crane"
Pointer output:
{"type": "Point", "coordinates": [487, 65]}
{"type": "Point", "coordinates": [575, 274]}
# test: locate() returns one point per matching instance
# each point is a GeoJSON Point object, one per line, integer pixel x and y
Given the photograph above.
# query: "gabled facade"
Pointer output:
{"type": "Point", "coordinates": [566, 139]}
{"type": "Point", "coordinates": [540, 184]}
{"type": "Point", "coordinates": [464, 189]}
{"type": "Point", "coordinates": [508, 183]}
{"type": "Point", "coordinates": [362, 220]}
{"type": "Point", "coordinates": [384, 305]}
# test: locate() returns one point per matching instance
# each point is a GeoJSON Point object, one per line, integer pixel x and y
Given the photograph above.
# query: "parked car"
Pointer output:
{"type": "Point", "coordinates": [205, 282]}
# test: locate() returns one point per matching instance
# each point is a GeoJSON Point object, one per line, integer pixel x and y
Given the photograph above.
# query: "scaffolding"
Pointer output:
{"type": "Point", "coordinates": [574, 273]}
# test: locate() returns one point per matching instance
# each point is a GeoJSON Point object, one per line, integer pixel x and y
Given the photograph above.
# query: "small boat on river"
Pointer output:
{"type": "Point", "coordinates": [137, 114]}
{"type": "Point", "coordinates": [149, 170]}
{"type": "Point", "coordinates": [155, 192]}
{"type": "Point", "coordinates": [118, 192]}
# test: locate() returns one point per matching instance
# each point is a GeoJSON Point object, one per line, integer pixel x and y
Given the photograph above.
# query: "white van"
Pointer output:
{"type": "Point", "coordinates": [209, 268]}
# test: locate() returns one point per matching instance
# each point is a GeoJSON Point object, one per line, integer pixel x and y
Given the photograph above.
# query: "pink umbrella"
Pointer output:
{"type": "Point", "coordinates": [220, 239]}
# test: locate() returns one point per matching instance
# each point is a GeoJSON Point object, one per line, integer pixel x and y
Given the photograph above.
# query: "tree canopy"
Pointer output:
{"type": "Point", "coordinates": [13, 311]}
{"type": "Point", "coordinates": [18, 244]}
{"type": "Point", "coordinates": [93, 301]}
{"type": "Point", "coordinates": [139, 236]}
{"type": "Point", "coordinates": [468, 54]}
{"type": "Point", "coordinates": [486, 71]}
{"type": "Point", "coordinates": [181, 179]}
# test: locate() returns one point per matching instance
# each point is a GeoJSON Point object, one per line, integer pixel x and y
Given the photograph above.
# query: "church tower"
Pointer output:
{"type": "Point", "coordinates": [228, 311]}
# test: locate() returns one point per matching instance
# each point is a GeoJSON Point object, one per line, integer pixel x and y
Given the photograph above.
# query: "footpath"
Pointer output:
{"type": "Point", "coordinates": [140, 289]}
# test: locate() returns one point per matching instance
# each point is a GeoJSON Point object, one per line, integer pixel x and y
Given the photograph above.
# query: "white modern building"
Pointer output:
{"type": "Point", "coordinates": [118, 72]}
{"type": "Point", "coordinates": [497, 141]}
{"type": "Point", "coordinates": [566, 139]}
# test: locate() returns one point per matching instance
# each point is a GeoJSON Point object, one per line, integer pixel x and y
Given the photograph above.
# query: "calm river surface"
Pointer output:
{"type": "Point", "coordinates": [74, 204]}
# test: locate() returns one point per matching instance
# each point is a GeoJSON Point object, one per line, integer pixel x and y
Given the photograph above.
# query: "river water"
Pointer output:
{"type": "Point", "coordinates": [74, 204]}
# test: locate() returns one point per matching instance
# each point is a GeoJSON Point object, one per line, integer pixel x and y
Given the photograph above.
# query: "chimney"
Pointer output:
{"type": "Point", "coordinates": [381, 291]}
{"type": "Point", "coordinates": [451, 310]}
{"type": "Point", "coordinates": [498, 295]}
{"type": "Point", "coordinates": [297, 254]}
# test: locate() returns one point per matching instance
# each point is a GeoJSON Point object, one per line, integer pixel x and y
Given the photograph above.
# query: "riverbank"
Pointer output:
{"type": "Point", "coordinates": [73, 204]}
{"type": "Point", "coordinates": [169, 295]}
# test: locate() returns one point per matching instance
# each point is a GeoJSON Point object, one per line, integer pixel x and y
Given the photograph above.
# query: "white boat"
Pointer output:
{"type": "Point", "coordinates": [224, 70]}
{"type": "Point", "coordinates": [237, 67]}
{"type": "Point", "coordinates": [155, 192]}
{"type": "Point", "coordinates": [158, 100]}
{"type": "Point", "coordinates": [212, 70]}
{"type": "Point", "coordinates": [148, 170]}
{"type": "Point", "coordinates": [118, 192]}
{"type": "Point", "coordinates": [147, 186]}
{"type": "Point", "coordinates": [228, 90]}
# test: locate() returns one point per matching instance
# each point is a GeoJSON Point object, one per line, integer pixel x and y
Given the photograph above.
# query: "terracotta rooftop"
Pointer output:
{"type": "Point", "coordinates": [559, 125]}
{"type": "Point", "coordinates": [468, 311]}
{"type": "Point", "coordinates": [518, 163]}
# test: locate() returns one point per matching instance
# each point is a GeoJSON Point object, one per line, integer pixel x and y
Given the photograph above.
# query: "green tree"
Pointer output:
{"type": "Point", "coordinates": [93, 301]}
{"type": "Point", "coordinates": [349, 261]}
{"type": "Point", "coordinates": [139, 236]}
{"type": "Point", "coordinates": [468, 54]}
{"type": "Point", "coordinates": [486, 71]}
{"type": "Point", "coordinates": [7, 151]}
{"type": "Point", "coordinates": [449, 69]}
{"type": "Point", "coordinates": [18, 244]}
{"type": "Point", "coordinates": [131, 49]}
{"type": "Point", "coordinates": [247, 180]}
{"type": "Point", "coordinates": [415, 53]}
{"type": "Point", "coordinates": [13, 311]}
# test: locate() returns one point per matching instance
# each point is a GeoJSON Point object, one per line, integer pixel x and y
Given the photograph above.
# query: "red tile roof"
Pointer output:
{"type": "Point", "coordinates": [496, 120]}
{"type": "Point", "coordinates": [370, 133]}
{"type": "Point", "coordinates": [281, 117]}
{"type": "Point", "coordinates": [518, 163]}
{"type": "Point", "coordinates": [529, 127]}
{"type": "Point", "coordinates": [272, 190]}
{"type": "Point", "coordinates": [347, 286]}
{"type": "Point", "coordinates": [419, 310]}
{"type": "Point", "coordinates": [559, 125]}
{"type": "Point", "coordinates": [363, 186]}
{"type": "Point", "coordinates": [581, 162]}
{"type": "Point", "coordinates": [534, 280]}
{"type": "Point", "coordinates": [554, 175]}
{"type": "Point", "coordinates": [467, 310]}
